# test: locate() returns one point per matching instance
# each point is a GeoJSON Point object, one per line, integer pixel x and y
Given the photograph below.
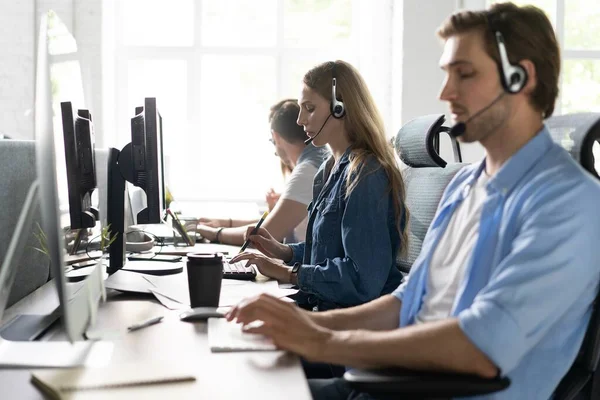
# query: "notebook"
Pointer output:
{"type": "Point", "coordinates": [224, 336]}
{"type": "Point", "coordinates": [62, 384]}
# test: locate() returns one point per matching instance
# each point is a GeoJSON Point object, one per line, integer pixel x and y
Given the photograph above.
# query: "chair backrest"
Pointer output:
{"type": "Point", "coordinates": [17, 163]}
{"type": "Point", "coordinates": [426, 177]}
{"type": "Point", "coordinates": [578, 133]}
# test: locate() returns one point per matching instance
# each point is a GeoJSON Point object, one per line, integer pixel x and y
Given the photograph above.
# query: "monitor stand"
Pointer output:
{"type": "Point", "coordinates": [28, 327]}
{"type": "Point", "coordinates": [120, 165]}
{"type": "Point", "coordinates": [40, 354]}
{"type": "Point", "coordinates": [154, 267]}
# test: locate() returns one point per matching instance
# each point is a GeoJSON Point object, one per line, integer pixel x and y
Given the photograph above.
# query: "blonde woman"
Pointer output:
{"type": "Point", "coordinates": [357, 219]}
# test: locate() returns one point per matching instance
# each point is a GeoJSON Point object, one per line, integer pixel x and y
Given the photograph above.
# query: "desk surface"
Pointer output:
{"type": "Point", "coordinates": [264, 375]}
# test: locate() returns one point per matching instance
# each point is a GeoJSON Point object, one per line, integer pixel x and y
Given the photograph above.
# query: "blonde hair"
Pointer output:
{"type": "Point", "coordinates": [366, 132]}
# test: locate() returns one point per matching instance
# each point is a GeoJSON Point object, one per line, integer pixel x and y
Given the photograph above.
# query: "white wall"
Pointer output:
{"type": "Point", "coordinates": [420, 51]}
{"type": "Point", "coordinates": [419, 79]}
{"type": "Point", "coordinates": [17, 41]}
{"type": "Point", "coordinates": [19, 21]}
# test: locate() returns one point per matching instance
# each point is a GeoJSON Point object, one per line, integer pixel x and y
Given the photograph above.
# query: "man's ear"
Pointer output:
{"type": "Point", "coordinates": [276, 136]}
{"type": "Point", "coordinates": [531, 76]}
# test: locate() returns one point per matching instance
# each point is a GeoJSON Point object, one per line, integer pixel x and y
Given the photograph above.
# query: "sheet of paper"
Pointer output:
{"type": "Point", "coordinates": [168, 302]}
{"type": "Point", "coordinates": [175, 288]}
{"type": "Point", "coordinates": [128, 281]}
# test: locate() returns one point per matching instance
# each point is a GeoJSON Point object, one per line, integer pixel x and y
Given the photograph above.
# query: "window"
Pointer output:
{"type": "Point", "coordinates": [66, 85]}
{"type": "Point", "coordinates": [577, 26]}
{"type": "Point", "coordinates": [216, 67]}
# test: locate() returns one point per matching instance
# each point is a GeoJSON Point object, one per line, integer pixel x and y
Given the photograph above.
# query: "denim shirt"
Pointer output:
{"type": "Point", "coordinates": [526, 297]}
{"type": "Point", "coordinates": [349, 255]}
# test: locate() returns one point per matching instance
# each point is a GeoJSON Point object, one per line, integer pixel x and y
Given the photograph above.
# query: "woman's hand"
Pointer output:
{"type": "Point", "coordinates": [267, 266]}
{"type": "Point", "coordinates": [267, 244]}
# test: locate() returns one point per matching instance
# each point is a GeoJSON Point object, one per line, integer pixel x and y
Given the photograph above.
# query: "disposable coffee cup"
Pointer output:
{"type": "Point", "coordinates": [205, 273]}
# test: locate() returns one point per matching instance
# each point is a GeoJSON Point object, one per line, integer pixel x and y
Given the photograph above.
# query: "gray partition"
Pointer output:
{"type": "Point", "coordinates": [17, 167]}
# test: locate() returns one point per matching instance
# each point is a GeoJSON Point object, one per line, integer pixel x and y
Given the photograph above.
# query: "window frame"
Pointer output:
{"type": "Point", "coordinates": [559, 28]}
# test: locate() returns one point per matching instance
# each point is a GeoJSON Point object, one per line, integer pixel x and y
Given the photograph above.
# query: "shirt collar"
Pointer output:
{"type": "Point", "coordinates": [344, 159]}
{"type": "Point", "coordinates": [311, 151]}
{"type": "Point", "coordinates": [518, 164]}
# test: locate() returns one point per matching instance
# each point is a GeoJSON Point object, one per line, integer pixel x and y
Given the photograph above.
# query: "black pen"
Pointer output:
{"type": "Point", "coordinates": [145, 324]}
{"type": "Point", "coordinates": [260, 221]}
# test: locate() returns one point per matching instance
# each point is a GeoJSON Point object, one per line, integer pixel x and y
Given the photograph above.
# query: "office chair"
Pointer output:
{"type": "Point", "coordinates": [577, 133]}
{"type": "Point", "coordinates": [425, 177]}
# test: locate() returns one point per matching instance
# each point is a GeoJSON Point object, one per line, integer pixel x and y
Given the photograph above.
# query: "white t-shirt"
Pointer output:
{"type": "Point", "coordinates": [452, 255]}
{"type": "Point", "coordinates": [299, 188]}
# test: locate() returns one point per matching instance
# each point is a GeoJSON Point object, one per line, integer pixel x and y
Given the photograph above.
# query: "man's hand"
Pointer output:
{"type": "Point", "coordinates": [214, 222]}
{"type": "Point", "coordinates": [289, 327]}
{"type": "Point", "coordinates": [267, 266]}
{"type": "Point", "coordinates": [207, 232]}
{"type": "Point", "coordinates": [272, 198]}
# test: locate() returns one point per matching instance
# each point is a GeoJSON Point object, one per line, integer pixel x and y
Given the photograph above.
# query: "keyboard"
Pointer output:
{"type": "Point", "coordinates": [239, 271]}
{"type": "Point", "coordinates": [224, 336]}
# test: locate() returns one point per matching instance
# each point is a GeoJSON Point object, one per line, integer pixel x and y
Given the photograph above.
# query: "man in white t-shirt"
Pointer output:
{"type": "Point", "coordinates": [287, 221]}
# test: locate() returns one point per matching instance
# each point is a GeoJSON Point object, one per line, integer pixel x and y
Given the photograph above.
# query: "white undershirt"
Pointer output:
{"type": "Point", "coordinates": [452, 254]}
{"type": "Point", "coordinates": [299, 188]}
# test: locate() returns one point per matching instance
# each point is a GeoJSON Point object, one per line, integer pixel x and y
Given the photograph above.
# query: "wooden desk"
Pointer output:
{"type": "Point", "coordinates": [264, 375]}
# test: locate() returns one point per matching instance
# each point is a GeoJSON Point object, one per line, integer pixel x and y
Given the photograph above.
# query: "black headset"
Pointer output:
{"type": "Point", "coordinates": [338, 110]}
{"type": "Point", "coordinates": [512, 76]}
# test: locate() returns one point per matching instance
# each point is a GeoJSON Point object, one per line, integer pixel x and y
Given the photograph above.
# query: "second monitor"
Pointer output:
{"type": "Point", "coordinates": [141, 163]}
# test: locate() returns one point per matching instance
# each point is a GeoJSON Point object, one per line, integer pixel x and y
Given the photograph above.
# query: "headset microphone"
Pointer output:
{"type": "Point", "coordinates": [459, 129]}
{"type": "Point", "coordinates": [309, 140]}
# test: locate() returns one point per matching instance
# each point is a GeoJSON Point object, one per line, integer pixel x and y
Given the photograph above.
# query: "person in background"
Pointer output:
{"type": "Point", "coordinates": [272, 197]}
{"type": "Point", "coordinates": [288, 218]}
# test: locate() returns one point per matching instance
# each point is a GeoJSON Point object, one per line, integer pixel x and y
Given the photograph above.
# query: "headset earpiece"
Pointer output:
{"type": "Point", "coordinates": [338, 110]}
{"type": "Point", "coordinates": [513, 76]}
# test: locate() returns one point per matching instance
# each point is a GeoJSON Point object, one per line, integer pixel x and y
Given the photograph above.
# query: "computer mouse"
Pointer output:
{"type": "Point", "coordinates": [201, 314]}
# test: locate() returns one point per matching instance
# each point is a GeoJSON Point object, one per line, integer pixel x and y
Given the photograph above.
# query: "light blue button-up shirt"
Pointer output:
{"type": "Point", "coordinates": [533, 274]}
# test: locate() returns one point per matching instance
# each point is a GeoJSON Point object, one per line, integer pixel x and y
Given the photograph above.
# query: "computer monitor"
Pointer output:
{"type": "Point", "coordinates": [141, 163]}
{"type": "Point", "coordinates": [77, 310]}
{"type": "Point", "coordinates": [147, 144]}
{"type": "Point", "coordinates": [80, 165]}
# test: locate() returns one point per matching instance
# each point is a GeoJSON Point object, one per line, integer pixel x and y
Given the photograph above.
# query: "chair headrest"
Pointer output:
{"type": "Point", "coordinates": [414, 142]}
{"type": "Point", "coordinates": [577, 133]}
